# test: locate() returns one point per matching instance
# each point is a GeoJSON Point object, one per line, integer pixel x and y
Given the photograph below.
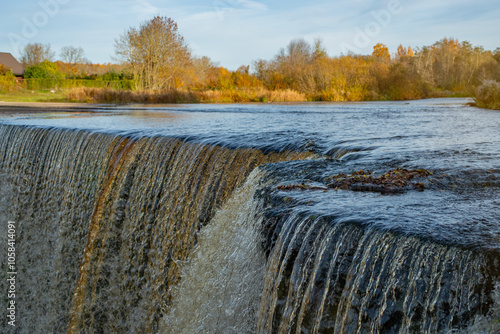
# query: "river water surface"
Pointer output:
{"type": "Point", "coordinates": [330, 259]}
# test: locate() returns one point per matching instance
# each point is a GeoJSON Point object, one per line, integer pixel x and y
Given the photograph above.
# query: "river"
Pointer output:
{"type": "Point", "coordinates": [227, 218]}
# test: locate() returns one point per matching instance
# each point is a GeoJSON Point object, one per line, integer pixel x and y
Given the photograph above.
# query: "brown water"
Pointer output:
{"type": "Point", "coordinates": [104, 219]}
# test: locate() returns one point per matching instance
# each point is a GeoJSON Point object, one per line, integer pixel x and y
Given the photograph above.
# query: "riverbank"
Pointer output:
{"type": "Point", "coordinates": [13, 108]}
{"type": "Point", "coordinates": [106, 96]}
{"type": "Point", "coordinates": [19, 107]}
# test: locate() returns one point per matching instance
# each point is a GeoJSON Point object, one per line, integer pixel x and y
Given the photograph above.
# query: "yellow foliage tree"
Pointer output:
{"type": "Point", "coordinates": [156, 52]}
{"type": "Point", "coordinates": [381, 52]}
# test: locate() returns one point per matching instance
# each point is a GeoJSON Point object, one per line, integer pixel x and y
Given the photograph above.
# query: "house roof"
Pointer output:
{"type": "Point", "coordinates": [9, 61]}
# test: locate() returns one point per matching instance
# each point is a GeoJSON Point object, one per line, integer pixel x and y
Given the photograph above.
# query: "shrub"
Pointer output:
{"type": "Point", "coordinates": [7, 81]}
{"type": "Point", "coordinates": [44, 70]}
{"type": "Point", "coordinates": [488, 95]}
{"type": "Point", "coordinates": [4, 70]}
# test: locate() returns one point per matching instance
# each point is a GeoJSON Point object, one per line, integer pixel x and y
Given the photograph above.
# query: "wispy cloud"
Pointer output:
{"type": "Point", "coordinates": [225, 8]}
{"type": "Point", "coordinates": [239, 5]}
{"type": "Point", "coordinates": [145, 9]}
{"type": "Point", "coordinates": [236, 32]}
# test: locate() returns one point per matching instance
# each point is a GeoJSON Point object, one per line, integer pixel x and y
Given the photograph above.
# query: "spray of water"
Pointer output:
{"type": "Point", "coordinates": [222, 282]}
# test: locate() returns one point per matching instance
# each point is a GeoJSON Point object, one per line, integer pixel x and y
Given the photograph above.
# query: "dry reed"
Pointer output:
{"type": "Point", "coordinates": [109, 95]}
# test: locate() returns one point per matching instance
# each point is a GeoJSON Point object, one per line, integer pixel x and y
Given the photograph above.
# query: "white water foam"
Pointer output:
{"type": "Point", "coordinates": [222, 283]}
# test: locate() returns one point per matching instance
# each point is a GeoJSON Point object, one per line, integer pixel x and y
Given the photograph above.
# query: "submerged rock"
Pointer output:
{"type": "Point", "coordinates": [395, 181]}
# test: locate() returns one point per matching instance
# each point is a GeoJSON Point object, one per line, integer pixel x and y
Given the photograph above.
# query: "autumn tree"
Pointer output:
{"type": "Point", "coordinates": [404, 52]}
{"type": "Point", "coordinates": [381, 52]}
{"type": "Point", "coordinates": [319, 50]}
{"type": "Point", "coordinates": [268, 74]}
{"type": "Point", "coordinates": [424, 64]}
{"type": "Point", "coordinates": [243, 69]}
{"type": "Point", "coordinates": [469, 60]}
{"type": "Point", "coordinates": [202, 72]}
{"type": "Point", "coordinates": [72, 55]}
{"type": "Point", "coordinates": [320, 66]}
{"type": "Point", "coordinates": [353, 78]}
{"type": "Point", "coordinates": [455, 66]}
{"type": "Point", "coordinates": [294, 58]}
{"type": "Point", "coordinates": [446, 53]}
{"type": "Point", "coordinates": [294, 65]}
{"type": "Point", "coordinates": [489, 68]}
{"type": "Point", "coordinates": [156, 53]}
{"type": "Point", "coordinates": [496, 54]}
{"type": "Point", "coordinates": [36, 53]}
{"type": "Point", "coordinates": [243, 79]}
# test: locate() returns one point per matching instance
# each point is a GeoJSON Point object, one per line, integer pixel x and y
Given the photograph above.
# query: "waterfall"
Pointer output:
{"type": "Point", "coordinates": [221, 286]}
{"type": "Point", "coordinates": [328, 276]}
{"type": "Point", "coordinates": [129, 234]}
{"type": "Point", "coordinates": [103, 220]}
{"type": "Point", "coordinates": [49, 180]}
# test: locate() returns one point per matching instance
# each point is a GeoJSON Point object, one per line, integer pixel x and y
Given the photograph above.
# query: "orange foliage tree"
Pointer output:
{"type": "Point", "coordinates": [381, 52]}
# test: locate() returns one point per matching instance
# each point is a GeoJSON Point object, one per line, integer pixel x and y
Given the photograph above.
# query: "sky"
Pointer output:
{"type": "Point", "coordinates": [238, 32]}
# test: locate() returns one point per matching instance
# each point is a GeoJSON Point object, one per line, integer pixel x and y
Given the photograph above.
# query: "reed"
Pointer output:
{"type": "Point", "coordinates": [109, 95]}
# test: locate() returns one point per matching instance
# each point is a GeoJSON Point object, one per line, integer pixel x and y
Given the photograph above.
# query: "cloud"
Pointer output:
{"type": "Point", "coordinates": [232, 7]}
{"type": "Point", "coordinates": [236, 32]}
{"type": "Point", "coordinates": [239, 5]}
{"type": "Point", "coordinates": [145, 9]}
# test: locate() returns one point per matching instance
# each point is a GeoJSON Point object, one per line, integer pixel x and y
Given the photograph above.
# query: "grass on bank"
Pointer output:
{"type": "Point", "coordinates": [109, 95]}
{"type": "Point", "coordinates": [123, 96]}
{"type": "Point", "coordinates": [485, 96]}
{"type": "Point", "coordinates": [33, 96]}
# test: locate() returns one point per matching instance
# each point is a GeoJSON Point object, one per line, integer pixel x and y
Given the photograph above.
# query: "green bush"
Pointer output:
{"type": "Point", "coordinates": [44, 70]}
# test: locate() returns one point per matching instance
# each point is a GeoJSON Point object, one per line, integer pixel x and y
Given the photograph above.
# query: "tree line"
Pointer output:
{"type": "Point", "coordinates": [158, 57]}
{"type": "Point", "coordinates": [155, 56]}
{"type": "Point", "coordinates": [39, 61]}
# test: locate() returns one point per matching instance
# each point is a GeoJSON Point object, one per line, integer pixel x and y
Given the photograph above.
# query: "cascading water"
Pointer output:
{"type": "Point", "coordinates": [104, 220]}
{"type": "Point", "coordinates": [212, 224]}
{"type": "Point", "coordinates": [325, 276]}
{"type": "Point", "coordinates": [221, 284]}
